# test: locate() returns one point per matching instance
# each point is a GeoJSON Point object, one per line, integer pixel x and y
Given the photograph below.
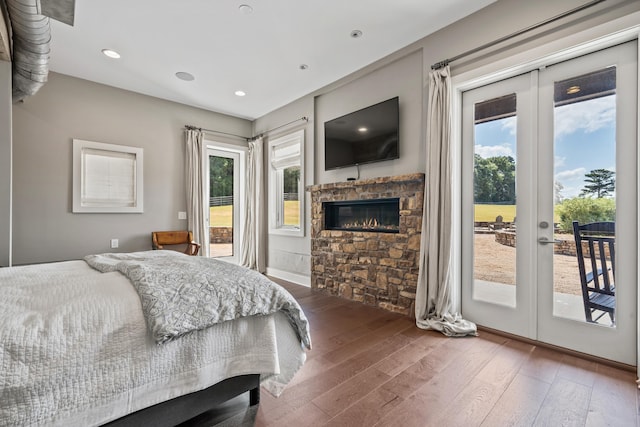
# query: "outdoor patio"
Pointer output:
{"type": "Point", "coordinates": [220, 249]}
{"type": "Point", "coordinates": [495, 274]}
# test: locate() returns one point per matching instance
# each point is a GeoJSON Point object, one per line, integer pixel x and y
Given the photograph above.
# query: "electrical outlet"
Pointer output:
{"type": "Point", "coordinates": [114, 243]}
{"type": "Point", "coordinates": [182, 215]}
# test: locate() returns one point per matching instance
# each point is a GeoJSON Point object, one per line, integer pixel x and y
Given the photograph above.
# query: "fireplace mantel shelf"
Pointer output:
{"type": "Point", "coordinates": [414, 177]}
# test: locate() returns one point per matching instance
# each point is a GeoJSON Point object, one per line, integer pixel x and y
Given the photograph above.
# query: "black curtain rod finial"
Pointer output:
{"type": "Point", "coordinates": [439, 65]}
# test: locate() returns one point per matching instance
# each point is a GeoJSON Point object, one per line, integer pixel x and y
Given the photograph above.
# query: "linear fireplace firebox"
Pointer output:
{"type": "Point", "coordinates": [377, 215]}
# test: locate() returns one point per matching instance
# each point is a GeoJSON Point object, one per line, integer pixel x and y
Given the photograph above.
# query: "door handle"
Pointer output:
{"type": "Point", "coordinates": [545, 241]}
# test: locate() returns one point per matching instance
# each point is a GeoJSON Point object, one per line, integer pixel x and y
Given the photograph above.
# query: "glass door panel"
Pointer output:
{"type": "Point", "coordinates": [584, 125]}
{"type": "Point", "coordinates": [494, 193]}
{"type": "Point", "coordinates": [224, 204]}
{"type": "Point", "coordinates": [496, 249]}
{"type": "Point", "coordinates": [221, 206]}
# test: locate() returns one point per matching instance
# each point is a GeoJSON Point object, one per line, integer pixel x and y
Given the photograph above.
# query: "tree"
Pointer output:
{"type": "Point", "coordinates": [600, 182]}
{"type": "Point", "coordinates": [291, 180]}
{"type": "Point", "coordinates": [585, 210]}
{"type": "Point", "coordinates": [221, 176]}
{"type": "Point", "coordinates": [557, 193]}
{"type": "Point", "coordinates": [494, 179]}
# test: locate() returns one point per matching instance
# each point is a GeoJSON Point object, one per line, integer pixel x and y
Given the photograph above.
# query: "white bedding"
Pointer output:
{"type": "Point", "coordinates": [75, 350]}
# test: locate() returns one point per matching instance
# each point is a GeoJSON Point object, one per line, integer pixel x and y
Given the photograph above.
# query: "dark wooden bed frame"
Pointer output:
{"type": "Point", "coordinates": [183, 408]}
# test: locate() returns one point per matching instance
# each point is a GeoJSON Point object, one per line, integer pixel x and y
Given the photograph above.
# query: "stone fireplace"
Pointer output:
{"type": "Point", "coordinates": [365, 240]}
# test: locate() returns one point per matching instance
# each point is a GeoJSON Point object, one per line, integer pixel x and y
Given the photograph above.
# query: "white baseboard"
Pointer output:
{"type": "Point", "coordinates": [296, 278]}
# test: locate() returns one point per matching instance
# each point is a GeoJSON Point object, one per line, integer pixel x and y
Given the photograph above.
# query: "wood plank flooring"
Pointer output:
{"type": "Point", "coordinates": [369, 367]}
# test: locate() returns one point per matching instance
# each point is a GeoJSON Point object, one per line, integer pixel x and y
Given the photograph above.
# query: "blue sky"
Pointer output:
{"type": "Point", "coordinates": [584, 140]}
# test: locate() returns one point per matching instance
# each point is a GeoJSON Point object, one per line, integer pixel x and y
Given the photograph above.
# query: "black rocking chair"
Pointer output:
{"type": "Point", "coordinates": [597, 278]}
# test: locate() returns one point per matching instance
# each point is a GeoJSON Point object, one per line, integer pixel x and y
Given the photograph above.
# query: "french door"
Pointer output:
{"type": "Point", "coordinates": [226, 198]}
{"type": "Point", "coordinates": [541, 150]}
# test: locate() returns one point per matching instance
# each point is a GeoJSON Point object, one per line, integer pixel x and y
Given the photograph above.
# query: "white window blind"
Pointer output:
{"type": "Point", "coordinates": [109, 177]}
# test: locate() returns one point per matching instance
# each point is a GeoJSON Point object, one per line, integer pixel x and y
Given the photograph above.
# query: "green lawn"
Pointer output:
{"type": "Point", "coordinates": [489, 213]}
{"type": "Point", "coordinates": [221, 216]}
{"type": "Point", "coordinates": [292, 212]}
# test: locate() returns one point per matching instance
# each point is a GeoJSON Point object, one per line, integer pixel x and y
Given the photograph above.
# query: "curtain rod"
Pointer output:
{"type": "Point", "coordinates": [190, 127]}
{"type": "Point", "coordinates": [306, 119]}
{"type": "Point", "coordinates": [446, 62]}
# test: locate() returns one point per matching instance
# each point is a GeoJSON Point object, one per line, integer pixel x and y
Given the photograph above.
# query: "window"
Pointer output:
{"type": "Point", "coordinates": [106, 178]}
{"type": "Point", "coordinates": [286, 184]}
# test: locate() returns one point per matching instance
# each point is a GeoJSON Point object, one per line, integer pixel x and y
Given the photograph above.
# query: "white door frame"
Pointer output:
{"type": "Point", "coordinates": [596, 38]}
{"type": "Point", "coordinates": [239, 215]}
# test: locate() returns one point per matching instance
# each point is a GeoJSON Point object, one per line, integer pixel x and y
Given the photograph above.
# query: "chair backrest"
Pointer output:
{"type": "Point", "coordinates": [175, 240]}
{"type": "Point", "coordinates": [596, 243]}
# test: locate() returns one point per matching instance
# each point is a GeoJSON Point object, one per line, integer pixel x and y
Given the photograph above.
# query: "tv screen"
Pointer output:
{"type": "Point", "coordinates": [364, 136]}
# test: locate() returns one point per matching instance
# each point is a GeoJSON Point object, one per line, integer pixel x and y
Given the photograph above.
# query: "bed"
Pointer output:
{"type": "Point", "coordinates": [128, 338]}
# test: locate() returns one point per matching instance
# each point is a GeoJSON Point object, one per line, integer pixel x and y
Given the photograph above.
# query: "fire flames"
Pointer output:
{"type": "Point", "coordinates": [368, 224]}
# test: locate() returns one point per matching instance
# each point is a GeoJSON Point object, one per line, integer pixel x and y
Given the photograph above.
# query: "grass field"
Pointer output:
{"type": "Point", "coordinates": [484, 213]}
{"type": "Point", "coordinates": [221, 216]}
{"type": "Point", "coordinates": [489, 213]}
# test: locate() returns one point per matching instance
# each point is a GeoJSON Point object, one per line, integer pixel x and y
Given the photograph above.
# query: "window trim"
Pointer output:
{"type": "Point", "coordinates": [82, 179]}
{"type": "Point", "coordinates": [276, 176]}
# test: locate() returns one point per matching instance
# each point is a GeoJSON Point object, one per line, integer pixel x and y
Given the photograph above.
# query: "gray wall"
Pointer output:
{"type": "Point", "coordinates": [285, 253]}
{"type": "Point", "coordinates": [5, 163]}
{"type": "Point", "coordinates": [402, 78]}
{"type": "Point", "coordinates": [44, 228]}
{"type": "Point", "coordinates": [404, 74]}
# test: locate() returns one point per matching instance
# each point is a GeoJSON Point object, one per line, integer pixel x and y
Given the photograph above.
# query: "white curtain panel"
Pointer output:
{"type": "Point", "coordinates": [253, 244]}
{"type": "Point", "coordinates": [196, 197]}
{"type": "Point", "coordinates": [433, 294]}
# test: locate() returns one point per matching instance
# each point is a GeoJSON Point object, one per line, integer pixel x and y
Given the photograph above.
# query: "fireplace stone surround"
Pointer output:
{"type": "Point", "coordinates": [373, 267]}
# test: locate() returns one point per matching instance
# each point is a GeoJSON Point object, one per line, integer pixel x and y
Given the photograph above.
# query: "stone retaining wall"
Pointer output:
{"type": "Point", "coordinates": [565, 246]}
{"type": "Point", "coordinates": [375, 268]}
{"type": "Point", "coordinates": [220, 234]}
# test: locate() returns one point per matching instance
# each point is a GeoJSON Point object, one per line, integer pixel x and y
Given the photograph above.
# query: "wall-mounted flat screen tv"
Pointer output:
{"type": "Point", "coordinates": [364, 136]}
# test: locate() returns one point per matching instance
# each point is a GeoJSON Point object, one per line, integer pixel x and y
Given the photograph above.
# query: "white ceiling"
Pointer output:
{"type": "Point", "coordinates": [226, 50]}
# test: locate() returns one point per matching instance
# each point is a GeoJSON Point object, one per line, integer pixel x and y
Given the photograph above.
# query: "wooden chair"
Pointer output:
{"type": "Point", "coordinates": [178, 240]}
{"type": "Point", "coordinates": [597, 278]}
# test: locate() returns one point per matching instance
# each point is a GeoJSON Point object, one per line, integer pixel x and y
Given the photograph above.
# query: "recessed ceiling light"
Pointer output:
{"type": "Point", "coordinates": [356, 34]}
{"type": "Point", "coordinates": [303, 66]}
{"type": "Point", "coordinates": [111, 53]}
{"type": "Point", "coordinates": [240, 93]}
{"type": "Point", "coordinates": [362, 129]}
{"type": "Point", "coordinates": [183, 75]}
{"type": "Point", "coordinates": [245, 8]}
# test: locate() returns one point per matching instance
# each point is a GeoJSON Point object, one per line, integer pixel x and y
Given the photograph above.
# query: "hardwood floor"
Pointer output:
{"type": "Point", "coordinates": [369, 367]}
